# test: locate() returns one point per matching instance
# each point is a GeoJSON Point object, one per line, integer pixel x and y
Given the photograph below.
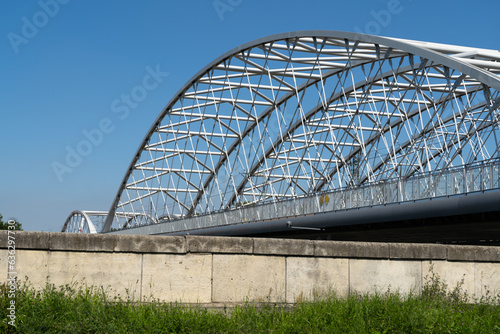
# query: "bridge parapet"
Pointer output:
{"type": "Point", "coordinates": [227, 270]}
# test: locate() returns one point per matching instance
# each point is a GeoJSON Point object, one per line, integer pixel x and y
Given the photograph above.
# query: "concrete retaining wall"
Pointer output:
{"type": "Point", "coordinates": [195, 269]}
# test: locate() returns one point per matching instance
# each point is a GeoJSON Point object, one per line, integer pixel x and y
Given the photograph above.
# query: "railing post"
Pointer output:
{"type": "Point", "coordinates": [402, 189]}
{"type": "Point", "coordinates": [465, 181]}
{"type": "Point", "coordinates": [491, 176]}
{"type": "Point", "coordinates": [481, 178]}
{"type": "Point", "coordinates": [418, 189]}
{"type": "Point", "coordinates": [434, 181]}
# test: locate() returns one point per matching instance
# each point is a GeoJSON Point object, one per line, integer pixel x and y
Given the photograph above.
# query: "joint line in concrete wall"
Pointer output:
{"type": "Point", "coordinates": [348, 276]}
{"type": "Point", "coordinates": [142, 275]}
{"type": "Point", "coordinates": [212, 280]}
{"type": "Point", "coordinates": [286, 278]}
{"type": "Point", "coordinates": [421, 276]}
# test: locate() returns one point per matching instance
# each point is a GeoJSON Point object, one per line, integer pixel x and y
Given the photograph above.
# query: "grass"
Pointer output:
{"type": "Point", "coordinates": [80, 309]}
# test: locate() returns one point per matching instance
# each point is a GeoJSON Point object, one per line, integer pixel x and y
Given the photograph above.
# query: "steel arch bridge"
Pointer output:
{"type": "Point", "coordinates": [313, 113]}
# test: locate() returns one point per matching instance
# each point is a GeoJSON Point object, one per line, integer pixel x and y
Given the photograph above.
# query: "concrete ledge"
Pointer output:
{"type": "Point", "coordinates": [149, 244]}
{"type": "Point", "coordinates": [32, 240]}
{"type": "Point", "coordinates": [474, 253]}
{"type": "Point", "coordinates": [25, 239]}
{"type": "Point", "coordinates": [418, 251]}
{"type": "Point", "coordinates": [295, 247]}
{"type": "Point", "coordinates": [350, 249]}
{"type": "Point", "coordinates": [81, 242]}
{"type": "Point", "coordinates": [234, 245]}
{"type": "Point", "coordinates": [115, 243]}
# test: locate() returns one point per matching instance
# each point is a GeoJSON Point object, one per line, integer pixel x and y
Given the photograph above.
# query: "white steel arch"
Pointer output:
{"type": "Point", "coordinates": [92, 221]}
{"type": "Point", "coordinates": [298, 113]}
{"type": "Point", "coordinates": [79, 222]}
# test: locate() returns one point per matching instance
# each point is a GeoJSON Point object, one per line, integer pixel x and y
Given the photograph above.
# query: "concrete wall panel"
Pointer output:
{"type": "Point", "coordinates": [3, 265]}
{"type": "Point", "coordinates": [238, 278]}
{"type": "Point", "coordinates": [309, 277]}
{"type": "Point", "coordinates": [117, 273]}
{"type": "Point", "coordinates": [452, 273]}
{"type": "Point", "coordinates": [369, 276]}
{"type": "Point", "coordinates": [180, 278]}
{"type": "Point", "coordinates": [230, 270]}
{"type": "Point", "coordinates": [487, 279]}
{"type": "Point", "coordinates": [33, 266]}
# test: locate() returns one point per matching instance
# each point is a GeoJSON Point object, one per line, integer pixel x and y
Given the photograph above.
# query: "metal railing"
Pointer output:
{"type": "Point", "coordinates": [476, 177]}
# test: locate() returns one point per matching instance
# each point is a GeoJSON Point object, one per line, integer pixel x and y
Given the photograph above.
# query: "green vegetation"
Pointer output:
{"type": "Point", "coordinates": [79, 309]}
{"type": "Point", "coordinates": [5, 225]}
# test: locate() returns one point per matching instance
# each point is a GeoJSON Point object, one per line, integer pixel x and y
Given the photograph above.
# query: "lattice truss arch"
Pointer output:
{"type": "Point", "coordinates": [80, 222]}
{"type": "Point", "coordinates": [304, 112]}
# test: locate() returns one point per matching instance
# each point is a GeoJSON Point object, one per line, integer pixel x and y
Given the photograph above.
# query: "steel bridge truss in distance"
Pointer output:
{"type": "Point", "coordinates": [296, 114]}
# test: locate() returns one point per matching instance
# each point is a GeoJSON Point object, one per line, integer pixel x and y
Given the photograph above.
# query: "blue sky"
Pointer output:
{"type": "Point", "coordinates": [65, 66]}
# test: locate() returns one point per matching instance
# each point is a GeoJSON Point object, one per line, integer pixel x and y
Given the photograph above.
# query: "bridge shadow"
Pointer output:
{"type": "Point", "coordinates": [466, 229]}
